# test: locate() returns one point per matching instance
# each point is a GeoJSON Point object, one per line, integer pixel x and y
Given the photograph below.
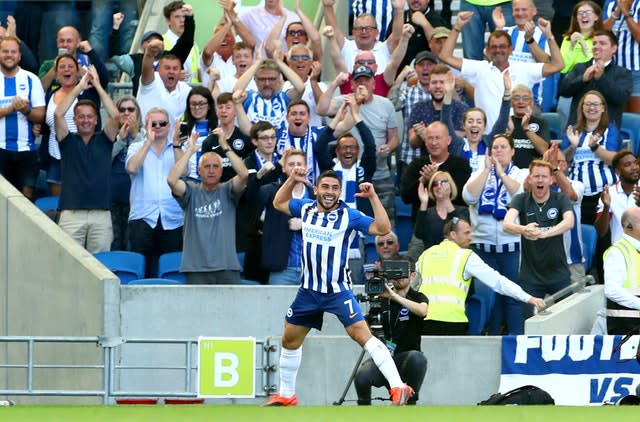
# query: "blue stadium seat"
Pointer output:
{"type": "Point", "coordinates": [631, 130]}
{"type": "Point", "coordinates": [477, 314]}
{"type": "Point", "coordinates": [404, 225]}
{"type": "Point", "coordinates": [550, 92]}
{"type": "Point", "coordinates": [553, 121]}
{"type": "Point", "coordinates": [589, 239]}
{"type": "Point", "coordinates": [370, 253]}
{"type": "Point", "coordinates": [47, 203]}
{"type": "Point", "coordinates": [169, 267]}
{"type": "Point", "coordinates": [154, 282]}
{"type": "Point", "coordinates": [128, 266]}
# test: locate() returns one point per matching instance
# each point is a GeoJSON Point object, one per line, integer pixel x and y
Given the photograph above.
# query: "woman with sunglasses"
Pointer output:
{"type": "Point", "coordinates": [200, 117]}
{"type": "Point", "coordinates": [474, 145]}
{"type": "Point", "coordinates": [130, 132]}
{"type": "Point", "coordinates": [488, 193]}
{"type": "Point", "coordinates": [590, 146]}
{"type": "Point", "coordinates": [430, 220]}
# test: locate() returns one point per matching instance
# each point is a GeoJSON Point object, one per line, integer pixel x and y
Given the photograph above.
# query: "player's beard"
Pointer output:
{"type": "Point", "coordinates": [328, 204]}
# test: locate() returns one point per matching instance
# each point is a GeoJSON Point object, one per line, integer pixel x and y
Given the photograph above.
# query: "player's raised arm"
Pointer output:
{"type": "Point", "coordinates": [381, 224]}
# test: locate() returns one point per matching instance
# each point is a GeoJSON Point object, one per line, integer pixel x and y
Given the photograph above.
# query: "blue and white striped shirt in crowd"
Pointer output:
{"type": "Point", "coordinates": [272, 110]}
{"type": "Point", "coordinates": [326, 237]}
{"type": "Point", "coordinates": [16, 132]}
{"type": "Point", "coordinates": [521, 53]}
{"type": "Point", "coordinates": [587, 167]}
{"type": "Point", "coordinates": [381, 9]}
{"type": "Point", "coordinates": [628, 54]}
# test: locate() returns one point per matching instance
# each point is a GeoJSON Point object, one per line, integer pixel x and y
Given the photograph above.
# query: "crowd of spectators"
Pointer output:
{"type": "Point", "coordinates": [192, 160]}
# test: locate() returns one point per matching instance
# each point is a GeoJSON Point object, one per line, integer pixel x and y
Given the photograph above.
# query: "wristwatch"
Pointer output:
{"type": "Point", "coordinates": [225, 151]}
{"type": "Point", "coordinates": [530, 41]}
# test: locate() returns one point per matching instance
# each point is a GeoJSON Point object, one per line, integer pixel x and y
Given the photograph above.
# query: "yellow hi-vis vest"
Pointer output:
{"type": "Point", "coordinates": [441, 268]}
{"type": "Point", "coordinates": [195, 59]}
{"type": "Point", "coordinates": [631, 283]}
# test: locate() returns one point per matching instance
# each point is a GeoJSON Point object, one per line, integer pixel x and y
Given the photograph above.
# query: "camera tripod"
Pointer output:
{"type": "Point", "coordinates": [374, 320]}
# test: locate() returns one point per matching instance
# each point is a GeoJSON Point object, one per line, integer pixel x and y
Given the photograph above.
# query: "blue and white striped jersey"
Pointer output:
{"type": "Point", "coordinates": [273, 110]}
{"type": "Point", "coordinates": [587, 167]}
{"type": "Point", "coordinates": [326, 237]}
{"type": "Point", "coordinates": [628, 53]}
{"type": "Point", "coordinates": [16, 132]}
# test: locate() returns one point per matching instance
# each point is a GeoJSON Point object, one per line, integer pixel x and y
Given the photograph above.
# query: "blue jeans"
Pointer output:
{"type": "Point", "coordinates": [101, 23]}
{"type": "Point", "coordinates": [502, 309]}
{"type": "Point", "coordinates": [473, 32]}
{"type": "Point", "coordinates": [291, 277]}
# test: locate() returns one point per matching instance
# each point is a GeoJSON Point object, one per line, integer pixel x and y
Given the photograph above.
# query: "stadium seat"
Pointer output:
{"type": "Point", "coordinates": [589, 239]}
{"type": "Point", "coordinates": [47, 203]}
{"type": "Point", "coordinates": [404, 225]}
{"type": "Point", "coordinates": [477, 314]}
{"type": "Point", "coordinates": [370, 253]}
{"type": "Point", "coordinates": [127, 266]}
{"type": "Point", "coordinates": [550, 92]}
{"type": "Point", "coordinates": [553, 121]}
{"type": "Point", "coordinates": [169, 267]}
{"type": "Point", "coordinates": [631, 130]}
{"type": "Point", "coordinates": [154, 282]}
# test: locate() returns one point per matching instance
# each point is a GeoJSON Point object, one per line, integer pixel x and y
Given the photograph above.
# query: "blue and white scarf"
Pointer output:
{"type": "Point", "coordinates": [495, 198]}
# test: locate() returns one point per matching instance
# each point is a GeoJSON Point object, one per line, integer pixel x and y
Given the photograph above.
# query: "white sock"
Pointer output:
{"type": "Point", "coordinates": [289, 364]}
{"type": "Point", "coordinates": [381, 356]}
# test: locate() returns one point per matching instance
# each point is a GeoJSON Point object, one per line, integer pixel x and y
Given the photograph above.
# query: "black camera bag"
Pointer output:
{"type": "Point", "coordinates": [525, 395]}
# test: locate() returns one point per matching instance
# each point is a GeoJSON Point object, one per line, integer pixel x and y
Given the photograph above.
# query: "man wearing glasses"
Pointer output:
{"type": "Point", "coordinates": [446, 270]}
{"type": "Point", "coordinates": [269, 103]}
{"type": "Point", "coordinates": [530, 132]}
{"type": "Point", "coordinates": [365, 34]}
{"type": "Point", "coordinates": [155, 219]}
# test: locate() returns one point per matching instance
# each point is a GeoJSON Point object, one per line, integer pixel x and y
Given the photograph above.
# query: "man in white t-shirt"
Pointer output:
{"type": "Point", "coordinates": [164, 87]}
{"type": "Point", "coordinates": [488, 94]}
{"type": "Point", "coordinates": [365, 34]}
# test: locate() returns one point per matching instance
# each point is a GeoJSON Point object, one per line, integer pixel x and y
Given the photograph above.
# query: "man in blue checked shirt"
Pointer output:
{"type": "Point", "coordinates": [328, 226]}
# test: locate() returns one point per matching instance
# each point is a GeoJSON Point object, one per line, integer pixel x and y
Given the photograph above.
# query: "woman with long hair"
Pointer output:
{"type": "Point", "coordinates": [68, 74]}
{"type": "Point", "coordinates": [430, 219]}
{"type": "Point", "coordinates": [131, 131]}
{"type": "Point", "coordinates": [200, 116]}
{"type": "Point", "coordinates": [488, 193]}
{"type": "Point", "coordinates": [590, 147]}
{"type": "Point", "coordinates": [577, 40]}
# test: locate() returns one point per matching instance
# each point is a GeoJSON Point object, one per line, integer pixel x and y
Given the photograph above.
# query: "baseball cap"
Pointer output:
{"type": "Point", "coordinates": [362, 71]}
{"type": "Point", "coordinates": [149, 34]}
{"type": "Point", "coordinates": [440, 32]}
{"type": "Point", "coordinates": [425, 55]}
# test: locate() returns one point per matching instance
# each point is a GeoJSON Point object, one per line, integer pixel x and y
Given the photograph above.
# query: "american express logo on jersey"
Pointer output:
{"type": "Point", "coordinates": [575, 369]}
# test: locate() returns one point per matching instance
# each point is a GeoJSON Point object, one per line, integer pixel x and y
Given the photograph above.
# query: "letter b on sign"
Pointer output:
{"type": "Point", "coordinates": [226, 367]}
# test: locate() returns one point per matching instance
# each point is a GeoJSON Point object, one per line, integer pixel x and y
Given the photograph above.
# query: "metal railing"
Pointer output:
{"type": "Point", "coordinates": [111, 370]}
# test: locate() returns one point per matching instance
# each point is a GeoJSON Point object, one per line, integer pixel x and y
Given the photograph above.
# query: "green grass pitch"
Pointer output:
{"type": "Point", "coordinates": [238, 413]}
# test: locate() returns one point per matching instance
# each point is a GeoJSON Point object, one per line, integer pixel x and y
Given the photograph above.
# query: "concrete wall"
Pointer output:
{"type": "Point", "coordinates": [574, 315]}
{"type": "Point", "coordinates": [50, 287]}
